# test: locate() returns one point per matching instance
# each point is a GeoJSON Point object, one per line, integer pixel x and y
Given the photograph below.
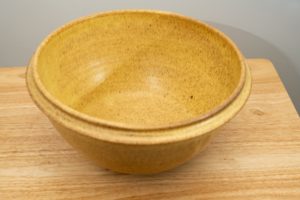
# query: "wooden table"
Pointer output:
{"type": "Point", "coordinates": [255, 156]}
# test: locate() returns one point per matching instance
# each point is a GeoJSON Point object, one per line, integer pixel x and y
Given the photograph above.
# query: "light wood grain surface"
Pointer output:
{"type": "Point", "coordinates": [255, 156]}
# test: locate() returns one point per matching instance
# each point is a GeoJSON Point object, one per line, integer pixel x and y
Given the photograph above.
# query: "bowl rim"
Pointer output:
{"type": "Point", "coordinates": [124, 126]}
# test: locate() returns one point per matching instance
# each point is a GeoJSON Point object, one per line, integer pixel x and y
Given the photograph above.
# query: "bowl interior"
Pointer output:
{"type": "Point", "coordinates": [139, 68]}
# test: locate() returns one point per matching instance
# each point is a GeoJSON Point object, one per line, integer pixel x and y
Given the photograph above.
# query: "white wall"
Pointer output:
{"type": "Point", "coordinates": [261, 28]}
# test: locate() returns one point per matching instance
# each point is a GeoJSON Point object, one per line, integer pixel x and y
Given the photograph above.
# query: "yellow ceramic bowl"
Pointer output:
{"type": "Point", "coordinates": [138, 91]}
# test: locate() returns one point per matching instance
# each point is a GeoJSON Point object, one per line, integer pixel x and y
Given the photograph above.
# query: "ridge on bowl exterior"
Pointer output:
{"type": "Point", "coordinates": [138, 91]}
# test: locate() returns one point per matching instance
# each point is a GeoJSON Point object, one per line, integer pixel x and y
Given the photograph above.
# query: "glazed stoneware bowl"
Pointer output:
{"type": "Point", "coordinates": [138, 91]}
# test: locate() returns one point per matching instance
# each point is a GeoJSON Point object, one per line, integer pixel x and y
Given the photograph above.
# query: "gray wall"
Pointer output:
{"type": "Point", "coordinates": [261, 28]}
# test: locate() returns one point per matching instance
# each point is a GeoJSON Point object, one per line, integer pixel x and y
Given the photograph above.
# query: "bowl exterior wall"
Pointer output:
{"type": "Point", "coordinates": [135, 159]}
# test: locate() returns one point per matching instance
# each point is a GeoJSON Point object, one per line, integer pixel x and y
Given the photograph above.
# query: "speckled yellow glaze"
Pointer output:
{"type": "Point", "coordinates": [138, 91]}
